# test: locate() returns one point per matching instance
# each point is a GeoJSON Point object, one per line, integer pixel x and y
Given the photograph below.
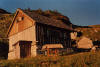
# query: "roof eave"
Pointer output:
{"type": "Point", "coordinates": [12, 22]}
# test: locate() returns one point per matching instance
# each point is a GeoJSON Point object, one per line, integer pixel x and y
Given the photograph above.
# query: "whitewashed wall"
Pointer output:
{"type": "Point", "coordinates": [27, 35]}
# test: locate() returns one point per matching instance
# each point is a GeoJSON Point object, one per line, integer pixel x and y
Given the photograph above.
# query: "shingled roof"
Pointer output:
{"type": "Point", "coordinates": [48, 21]}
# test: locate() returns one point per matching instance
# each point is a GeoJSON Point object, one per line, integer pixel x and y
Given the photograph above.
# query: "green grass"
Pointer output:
{"type": "Point", "coordinates": [87, 59]}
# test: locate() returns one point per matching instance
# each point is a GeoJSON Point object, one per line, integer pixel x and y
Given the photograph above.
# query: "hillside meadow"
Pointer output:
{"type": "Point", "coordinates": [86, 59]}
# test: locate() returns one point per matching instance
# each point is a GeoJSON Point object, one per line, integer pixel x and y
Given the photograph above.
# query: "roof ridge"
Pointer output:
{"type": "Point", "coordinates": [46, 20]}
{"type": "Point", "coordinates": [43, 15]}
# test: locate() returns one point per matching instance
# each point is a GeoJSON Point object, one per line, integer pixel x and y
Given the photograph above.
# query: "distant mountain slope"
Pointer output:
{"type": "Point", "coordinates": [2, 11]}
{"type": "Point", "coordinates": [52, 14]}
{"type": "Point", "coordinates": [5, 20]}
{"type": "Point", "coordinates": [92, 32]}
{"type": "Point", "coordinates": [95, 26]}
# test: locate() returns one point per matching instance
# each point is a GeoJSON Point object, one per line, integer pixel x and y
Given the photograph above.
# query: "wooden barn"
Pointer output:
{"type": "Point", "coordinates": [30, 31]}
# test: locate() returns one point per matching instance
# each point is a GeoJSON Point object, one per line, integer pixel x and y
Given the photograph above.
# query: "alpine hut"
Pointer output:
{"type": "Point", "coordinates": [29, 31]}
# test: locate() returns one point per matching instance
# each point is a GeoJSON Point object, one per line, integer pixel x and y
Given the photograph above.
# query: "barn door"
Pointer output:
{"type": "Point", "coordinates": [25, 49]}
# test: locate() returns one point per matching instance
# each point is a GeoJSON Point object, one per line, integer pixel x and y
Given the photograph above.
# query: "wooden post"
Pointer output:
{"type": "Point", "coordinates": [48, 52]}
{"type": "Point", "coordinates": [56, 52]}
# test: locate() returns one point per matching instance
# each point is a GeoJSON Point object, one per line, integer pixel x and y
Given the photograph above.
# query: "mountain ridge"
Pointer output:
{"type": "Point", "coordinates": [2, 11]}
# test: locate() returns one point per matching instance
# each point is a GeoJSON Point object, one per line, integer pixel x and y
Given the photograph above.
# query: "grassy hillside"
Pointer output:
{"type": "Point", "coordinates": [52, 14]}
{"type": "Point", "coordinates": [2, 11]}
{"type": "Point", "coordinates": [95, 26]}
{"type": "Point", "coordinates": [5, 21]}
{"type": "Point", "coordinates": [88, 59]}
{"type": "Point", "coordinates": [92, 32]}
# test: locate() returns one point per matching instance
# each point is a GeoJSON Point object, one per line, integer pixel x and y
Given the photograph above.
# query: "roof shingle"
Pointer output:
{"type": "Point", "coordinates": [48, 21]}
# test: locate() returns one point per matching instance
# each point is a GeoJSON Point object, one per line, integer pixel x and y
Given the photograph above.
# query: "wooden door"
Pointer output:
{"type": "Point", "coordinates": [25, 50]}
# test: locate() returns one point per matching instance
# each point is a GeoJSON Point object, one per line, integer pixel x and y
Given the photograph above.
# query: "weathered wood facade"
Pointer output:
{"type": "Point", "coordinates": [46, 34]}
{"type": "Point", "coordinates": [29, 32]}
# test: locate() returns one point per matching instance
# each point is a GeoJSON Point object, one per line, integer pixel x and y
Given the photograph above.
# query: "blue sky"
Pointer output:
{"type": "Point", "coordinates": [80, 12]}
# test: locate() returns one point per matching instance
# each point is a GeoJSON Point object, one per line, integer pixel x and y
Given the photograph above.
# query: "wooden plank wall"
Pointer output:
{"type": "Point", "coordinates": [51, 35]}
